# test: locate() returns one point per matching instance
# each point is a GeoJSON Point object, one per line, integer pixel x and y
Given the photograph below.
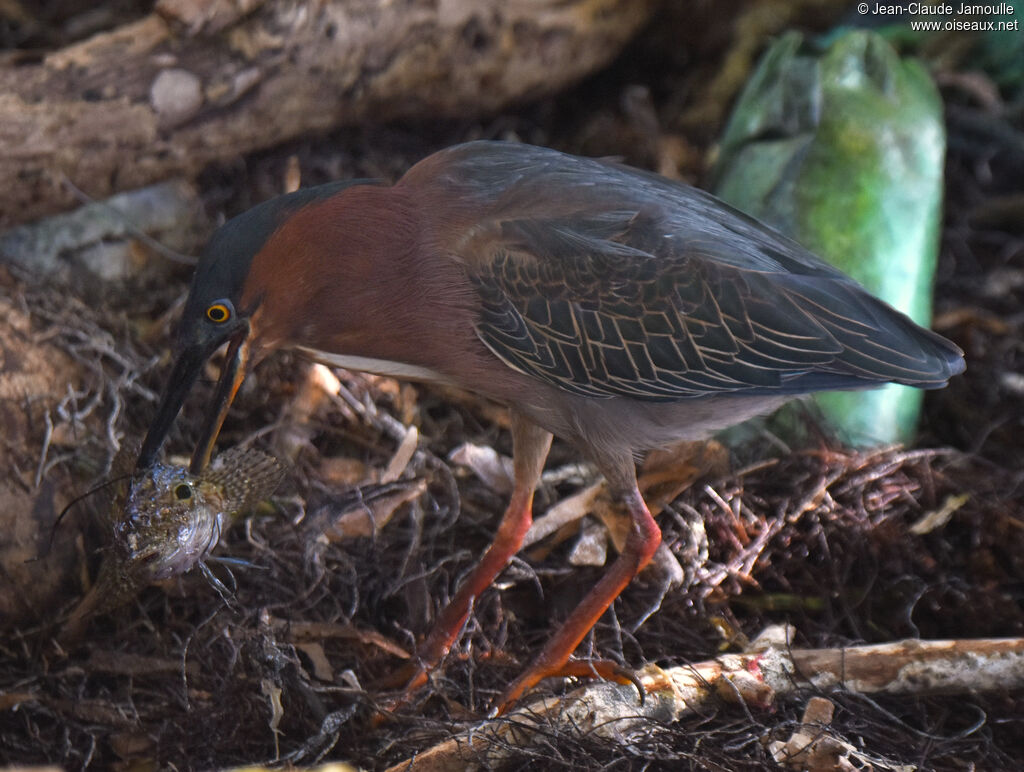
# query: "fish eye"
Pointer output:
{"type": "Point", "coordinates": [182, 491]}
{"type": "Point", "coordinates": [219, 312]}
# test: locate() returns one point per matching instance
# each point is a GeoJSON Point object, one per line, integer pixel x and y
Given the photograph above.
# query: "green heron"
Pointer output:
{"type": "Point", "coordinates": [608, 306]}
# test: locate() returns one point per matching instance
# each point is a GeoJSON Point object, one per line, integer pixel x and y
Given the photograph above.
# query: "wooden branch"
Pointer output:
{"type": "Point", "coordinates": [757, 678]}
{"type": "Point", "coordinates": [199, 82]}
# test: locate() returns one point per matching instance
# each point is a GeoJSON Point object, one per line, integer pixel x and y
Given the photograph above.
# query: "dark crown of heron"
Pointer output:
{"type": "Point", "coordinates": [224, 265]}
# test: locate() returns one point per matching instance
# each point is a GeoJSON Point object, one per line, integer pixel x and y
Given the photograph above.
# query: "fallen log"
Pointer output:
{"type": "Point", "coordinates": [194, 82]}
{"type": "Point", "coordinates": [769, 671]}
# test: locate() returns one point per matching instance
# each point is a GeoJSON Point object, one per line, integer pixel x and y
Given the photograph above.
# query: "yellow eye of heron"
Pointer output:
{"type": "Point", "coordinates": [182, 491]}
{"type": "Point", "coordinates": [218, 313]}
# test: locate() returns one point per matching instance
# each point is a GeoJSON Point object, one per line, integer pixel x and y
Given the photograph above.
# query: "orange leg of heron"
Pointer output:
{"type": "Point", "coordinates": [643, 540]}
{"type": "Point", "coordinates": [530, 446]}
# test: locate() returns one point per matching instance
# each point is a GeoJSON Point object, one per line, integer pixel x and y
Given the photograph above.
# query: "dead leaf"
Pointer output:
{"type": "Point", "coordinates": [566, 511]}
{"type": "Point", "coordinates": [273, 694]}
{"type": "Point", "coordinates": [400, 460]}
{"type": "Point", "coordinates": [591, 549]}
{"type": "Point", "coordinates": [14, 699]}
{"type": "Point", "coordinates": [939, 517]}
{"type": "Point", "coordinates": [300, 632]}
{"type": "Point", "coordinates": [494, 470]}
{"type": "Point", "coordinates": [321, 665]}
{"type": "Point", "coordinates": [367, 518]}
{"type": "Point", "coordinates": [340, 471]}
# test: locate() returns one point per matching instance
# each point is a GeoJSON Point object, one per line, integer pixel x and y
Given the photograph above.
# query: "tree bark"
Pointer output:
{"type": "Point", "coordinates": [199, 82]}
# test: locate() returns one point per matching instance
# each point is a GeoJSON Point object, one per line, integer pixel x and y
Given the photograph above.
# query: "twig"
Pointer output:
{"type": "Point", "coordinates": [44, 452]}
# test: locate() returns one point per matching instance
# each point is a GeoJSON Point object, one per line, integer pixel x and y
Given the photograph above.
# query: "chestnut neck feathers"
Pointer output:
{"type": "Point", "coordinates": [351, 277]}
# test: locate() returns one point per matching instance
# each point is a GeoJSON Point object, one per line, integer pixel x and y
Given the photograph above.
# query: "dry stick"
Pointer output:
{"type": "Point", "coordinates": [757, 679]}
